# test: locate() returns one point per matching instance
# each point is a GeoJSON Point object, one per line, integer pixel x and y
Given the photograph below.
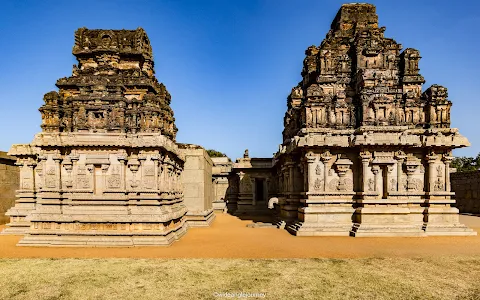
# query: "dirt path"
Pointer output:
{"type": "Point", "coordinates": [228, 237]}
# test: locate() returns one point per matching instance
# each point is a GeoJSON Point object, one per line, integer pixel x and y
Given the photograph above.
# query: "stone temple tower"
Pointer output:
{"type": "Point", "coordinates": [365, 152]}
{"type": "Point", "coordinates": [105, 170]}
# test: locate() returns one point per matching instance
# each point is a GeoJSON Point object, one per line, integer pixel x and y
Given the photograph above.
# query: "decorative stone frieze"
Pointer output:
{"type": "Point", "coordinates": [374, 149]}
{"type": "Point", "coordinates": [105, 170]}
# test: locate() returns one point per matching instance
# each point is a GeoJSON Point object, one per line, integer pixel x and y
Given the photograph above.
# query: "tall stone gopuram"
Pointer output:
{"type": "Point", "coordinates": [105, 170]}
{"type": "Point", "coordinates": [365, 152]}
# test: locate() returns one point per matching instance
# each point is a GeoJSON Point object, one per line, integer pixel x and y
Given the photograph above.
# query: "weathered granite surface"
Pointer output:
{"type": "Point", "coordinates": [251, 185]}
{"type": "Point", "coordinates": [365, 152]}
{"type": "Point", "coordinates": [9, 183]}
{"type": "Point", "coordinates": [197, 185]}
{"type": "Point", "coordinates": [466, 186]}
{"type": "Point", "coordinates": [222, 166]}
{"type": "Point", "coordinates": [105, 170]}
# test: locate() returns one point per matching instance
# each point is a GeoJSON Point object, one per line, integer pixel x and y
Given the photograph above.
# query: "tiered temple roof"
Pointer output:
{"type": "Point", "coordinates": [358, 77]}
{"type": "Point", "coordinates": [112, 88]}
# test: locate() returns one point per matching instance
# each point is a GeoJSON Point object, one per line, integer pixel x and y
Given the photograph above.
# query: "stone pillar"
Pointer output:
{"type": "Point", "coordinates": [431, 158]}
{"type": "Point", "coordinates": [389, 170]}
{"type": "Point", "coordinates": [325, 157]}
{"type": "Point", "coordinates": [365, 157]}
{"type": "Point", "coordinates": [400, 157]}
{"type": "Point", "coordinates": [155, 159]}
{"type": "Point", "coordinates": [123, 171]}
{"type": "Point", "coordinates": [411, 168]}
{"type": "Point", "coordinates": [310, 159]}
{"type": "Point", "coordinates": [309, 117]}
{"type": "Point", "coordinates": [304, 170]}
{"type": "Point", "coordinates": [58, 172]}
{"type": "Point", "coordinates": [133, 164]}
{"type": "Point", "coordinates": [375, 170]}
{"type": "Point", "coordinates": [298, 177]}
{"type": "Point", "coordinates": [291, 177]}
{"type": "Point", "coordinates": [447, 160]}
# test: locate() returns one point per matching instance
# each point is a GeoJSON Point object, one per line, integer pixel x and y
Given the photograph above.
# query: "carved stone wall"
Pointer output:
{"type": "Point", "coordinates": [222, 166]}
{"type": "Point", "coordinates": [365, 152]}
{"type": "Point", "coordinates": [9, 183]}
{"type": "Point", "coordinates": [466, 186]}
{"type": "Point", "coordinates": [112, 88]}
{"type": "Point", "coordinates": [251, 185]}
{"type": "Point", "coordinates": [105, 170]}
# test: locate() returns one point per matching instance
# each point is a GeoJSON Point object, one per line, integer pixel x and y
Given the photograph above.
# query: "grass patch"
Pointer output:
{"type": "Point", "coordinates": [369, 278]}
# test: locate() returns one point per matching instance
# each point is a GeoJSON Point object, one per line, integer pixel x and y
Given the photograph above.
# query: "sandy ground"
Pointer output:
{"type": "Point", "coordinates": [228, 237]}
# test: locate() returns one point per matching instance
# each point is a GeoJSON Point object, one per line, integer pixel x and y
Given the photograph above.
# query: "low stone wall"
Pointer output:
{"type": "Point", "coordinates": [9, 183]}
{"type": "Point", "coordinates": [466, 186]}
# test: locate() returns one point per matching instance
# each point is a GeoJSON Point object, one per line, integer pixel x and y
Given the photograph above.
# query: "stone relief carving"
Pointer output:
{"type": "Point", "coordinates": [404, 184]}
{"type": "Point", "coordinates": [438, 185]}
{"type": "Point", "coordinates": [27, 180]}
{"type": "Point", "coordinates": [51, 178]}
{"type": "Point", "coordinates": [342, 184]}
{"type": "Point", "coordinates": [149, 177]}
{"type": "Point", "coordinates": [333, 184]}
{"type": "Point", "coordinates": [67, 179]}
{"type": "Point", "coordinates": [100, 131]}
{"type": "Point", "coordinates": [439, 171]}
{"type": "Point", "coordinates": [114, 180]}
{"type": "Point", "coordinates": [371, 185]}
{"type": "Point", "coordinates": [393, 184]}
{"type": "Point", "coordinates": [82, 180]}
{"type": "Point", "coordinates": [414, 184]}
{"type": "Point", "coordinates": [318, 170]}
{"type": "Point", "coordinates": [133, 166]}
{"type": "Point", "coordinates": [318, 184]}
{"type": "Point", "coordinates": [345, 184]}
{"type": "Point", "coordinates": [39, 176]}
{"type": "Point", "coordinates": [26, 183]}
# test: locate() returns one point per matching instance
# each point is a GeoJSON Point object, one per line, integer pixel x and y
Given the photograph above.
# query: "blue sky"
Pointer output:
{"type": "Point", "coordinates": [229, 65]}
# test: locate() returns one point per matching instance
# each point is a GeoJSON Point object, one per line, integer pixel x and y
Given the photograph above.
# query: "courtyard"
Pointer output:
{"type": "Point", "coordinates": [229, 259]}
{"type": "Point", "coordinates": [108, 202]}
{"type": "Point", "coordinates": [229, 237]}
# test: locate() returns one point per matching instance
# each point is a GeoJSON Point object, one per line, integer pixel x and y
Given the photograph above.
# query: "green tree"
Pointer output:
{"type": "Point", "coordinates": [215, 153]}
{"type": "Point", "coordinates": [464, 164]}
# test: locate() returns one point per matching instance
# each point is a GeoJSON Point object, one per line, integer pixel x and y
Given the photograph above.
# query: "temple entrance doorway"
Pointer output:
{"type": "Point", "coordinates": [259, 182]}
{"type": "Point", "coordinates": [384, 193]}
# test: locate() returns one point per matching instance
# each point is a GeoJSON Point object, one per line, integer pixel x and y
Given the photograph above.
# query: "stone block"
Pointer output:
{"type": "Point", "coordinates": [197, 184]}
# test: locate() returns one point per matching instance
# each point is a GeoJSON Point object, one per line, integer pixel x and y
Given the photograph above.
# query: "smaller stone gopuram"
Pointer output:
{"type": "Point", "coordinates": [365, 152]}
{"type": "Point", "coordinates": [105, 170]}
